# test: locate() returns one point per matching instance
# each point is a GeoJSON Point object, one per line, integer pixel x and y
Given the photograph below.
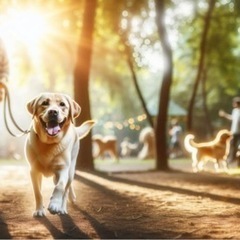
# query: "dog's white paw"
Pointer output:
{"type": "Point", "coordinates": [63, 211]}
{"type": "Point", "coordinates": [39, 213]}
{"type": "Point", "coordinates": [55, 207]}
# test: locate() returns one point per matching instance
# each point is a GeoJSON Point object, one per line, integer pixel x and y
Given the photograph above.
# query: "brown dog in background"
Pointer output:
{"type": "Point", "coordinates": [103, 145]}
{"type": "Point", "coordinates": [215, 150]}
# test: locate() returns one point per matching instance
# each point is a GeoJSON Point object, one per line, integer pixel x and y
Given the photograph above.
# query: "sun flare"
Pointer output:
{"type": "Point", "coordinates": [24, 32]}
{"type": "Point", "coordinates": [26, 26]}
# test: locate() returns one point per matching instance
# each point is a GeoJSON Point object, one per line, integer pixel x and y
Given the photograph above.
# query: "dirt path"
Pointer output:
{"type": "Point", "coordinates": [128, 205]}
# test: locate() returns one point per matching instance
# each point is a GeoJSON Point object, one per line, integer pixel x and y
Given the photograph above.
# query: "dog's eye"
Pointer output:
{"type": "Point", "coordinates": [62, 104]}
{"type": "Point", "coordinates": [45, 103]}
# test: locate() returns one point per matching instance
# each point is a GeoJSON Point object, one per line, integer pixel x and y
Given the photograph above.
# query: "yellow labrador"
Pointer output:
{"type": "Point", "coordinates": [52, 147]}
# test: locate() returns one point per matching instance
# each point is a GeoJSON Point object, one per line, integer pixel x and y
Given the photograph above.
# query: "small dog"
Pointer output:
{"type": "Point", "coordinates": [127, 147]}
{"type": "Point", "coordinates": [106, 144]}
{"type": "Point", "coordinates": [216, 150]}
{"type": "Point", "coordinates": [147, 138]}
{"type": "Point", "coordinates": [52, 147]}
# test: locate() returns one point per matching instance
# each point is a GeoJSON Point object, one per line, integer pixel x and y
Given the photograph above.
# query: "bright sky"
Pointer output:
{"type": "Point", "coordinates": [27, 26]}
{"type": "Point", "coordinates": [23, 29]}
{"type": "Point", "coordinates": [31, 35]}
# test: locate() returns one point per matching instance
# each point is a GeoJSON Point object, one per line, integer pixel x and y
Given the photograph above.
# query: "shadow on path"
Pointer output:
{"type": "Point", "coordinates": [162, 187]}
{"type": "Point", "coordinates": [107, 228]}
{"type": "Point", "coordinates": [4, 232]}
{"type": "Point", "coordinates": [101, 231]}
{"type": "Point", "coordinates": [111, 197]}
{"type": "Point", "coordinates": [70, 229]}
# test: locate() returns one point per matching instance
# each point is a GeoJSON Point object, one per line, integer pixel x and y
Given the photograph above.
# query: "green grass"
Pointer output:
{"type": "Point", "coordinates": [125, 161]}
{"type": "Point", "coordinates": [182, 163]}
{"type": "Point", "coordinates": [234, 171]}
{"type": "Point", "coordinates": [4, 161]}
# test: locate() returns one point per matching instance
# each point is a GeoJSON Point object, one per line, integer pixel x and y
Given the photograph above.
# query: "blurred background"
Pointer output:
{"type": "Point", "coordinates": [42, 39]}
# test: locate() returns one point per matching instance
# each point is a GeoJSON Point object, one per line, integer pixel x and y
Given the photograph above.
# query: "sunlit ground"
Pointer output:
{"type": "Point", "coordinates": [234, 171]}
{"type": "Point", "coordinates": [13, 162]}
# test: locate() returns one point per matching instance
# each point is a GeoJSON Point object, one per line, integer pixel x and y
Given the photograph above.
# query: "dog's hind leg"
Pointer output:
{"type": "Point", "coordinates": [195, 166]}
{"type": "Point", "coordinates": [194, 162]}
{"type": "Point", "coordinates": [217, 165]}
{"type": "Point", "coordinates": [69, 194]}
{"type": "Point", "coordinates": [72, 195]}
{"type": "Point", "coordinates": [225, 165]}
{"type": "Point", "coordinates": [64, 199]}
{"type": "Point", "coordinates": [201, 165]}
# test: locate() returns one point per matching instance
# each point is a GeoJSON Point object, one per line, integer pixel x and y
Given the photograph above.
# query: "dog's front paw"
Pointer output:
{"type": "Point", "coordinates": [63, 211]}
{"type": "Point", "coordinates": [55, 207]}
{"type": "Point", "coordinates": [39, 213]}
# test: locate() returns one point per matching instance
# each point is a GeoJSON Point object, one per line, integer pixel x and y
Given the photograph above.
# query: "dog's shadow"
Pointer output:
{"type": "Point", "coordinates": [4, 233]}
{"type": "Point", "coordinates": [69, 229]}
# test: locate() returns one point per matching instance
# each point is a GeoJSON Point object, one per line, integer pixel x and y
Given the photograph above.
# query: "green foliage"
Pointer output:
{"type": "Point", "coordinates": [112, 93]}
{"type": "Point", "coordinates": [114, 72]}
{"type": "Point", "coordinates": [222, 59]}
{"type": "Point", "coordinates": [49, 60]}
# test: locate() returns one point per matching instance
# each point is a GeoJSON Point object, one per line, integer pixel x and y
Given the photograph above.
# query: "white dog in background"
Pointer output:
{"type": "Point", "coordinates": [52, 147]}
{"type": "Point", "coordinates": [147, 138]}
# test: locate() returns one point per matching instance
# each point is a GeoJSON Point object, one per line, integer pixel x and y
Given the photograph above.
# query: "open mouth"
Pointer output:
{"type": "Point", "coordinates": [52, 127]}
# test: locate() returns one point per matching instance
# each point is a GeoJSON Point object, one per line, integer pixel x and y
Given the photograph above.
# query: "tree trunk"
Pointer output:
{"type": "Point", "coordinates": [81, 82]}
{"type": "Point", "coordinates": [134, 77]}
{"type": "Point", "coordinates": [201, 63]}
{"type": "Point", "coordinates": [161, 125]}
{"type": "Point", "coordinates": [205, 106]}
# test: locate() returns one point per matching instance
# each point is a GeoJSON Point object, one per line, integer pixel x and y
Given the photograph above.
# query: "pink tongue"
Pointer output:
{"type": "Point", "coordinates": [53, 130]}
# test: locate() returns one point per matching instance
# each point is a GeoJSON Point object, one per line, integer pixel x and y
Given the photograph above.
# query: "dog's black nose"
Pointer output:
{"type": "Point", "coordinates": [52, 113]}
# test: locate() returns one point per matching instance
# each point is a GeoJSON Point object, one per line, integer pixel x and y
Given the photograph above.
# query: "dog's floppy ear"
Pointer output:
{"type": "Point", "coordinates": [32, 106]}
{"type": "Point", "coordinates": [75, 109]}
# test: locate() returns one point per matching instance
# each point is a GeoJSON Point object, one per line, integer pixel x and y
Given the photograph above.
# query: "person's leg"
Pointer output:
{"type": "Point", "coordinates": [237, 149]}
{"type": "Point", "coordinates": [233, 149]}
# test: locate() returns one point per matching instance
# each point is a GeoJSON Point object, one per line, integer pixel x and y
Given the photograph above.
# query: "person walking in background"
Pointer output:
{"type": "Point", "coordinates": [4, 69]}
{"type": "Point", "coordinates": [175, 134]}
{"type": "Point", "coordinates": [235, 128]}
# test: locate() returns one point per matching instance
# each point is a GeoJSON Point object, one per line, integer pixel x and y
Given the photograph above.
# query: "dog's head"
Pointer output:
{"type": "Point", "coordinates": [53, 113]}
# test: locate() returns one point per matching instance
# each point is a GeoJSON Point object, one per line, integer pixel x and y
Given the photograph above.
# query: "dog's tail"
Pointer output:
{"type": "Point", "coordinates": [85, 128]}
{"type": "Point", "coordinates": [188, 143]}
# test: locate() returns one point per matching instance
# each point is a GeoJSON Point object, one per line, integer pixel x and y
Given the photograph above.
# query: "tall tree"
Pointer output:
{"type": "Point", "coordinates": [205, 106]}
{"type": "Point", "coordinates": [130, 62]}
{"type": "Point", "coordinates": [200, 70]}
{"type": "Point", "coordinates": [81, 81]}
{"type": "Point", "coordinates": [161, 125]}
